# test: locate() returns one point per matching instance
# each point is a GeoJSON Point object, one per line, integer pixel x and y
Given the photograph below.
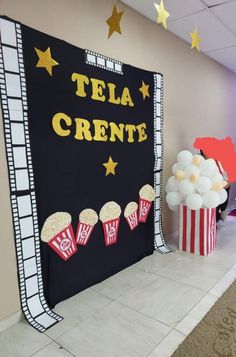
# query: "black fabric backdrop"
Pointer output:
{"type": "Point", "coordinates": [69, 175]}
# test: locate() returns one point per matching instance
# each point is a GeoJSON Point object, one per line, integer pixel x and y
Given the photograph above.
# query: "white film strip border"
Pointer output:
{"type": "Point", "coordinates": [95, 59]}
{"type": "Point", "coordinates": [23, 200]}
{"type": "Point", "coordinates": [159, 241]}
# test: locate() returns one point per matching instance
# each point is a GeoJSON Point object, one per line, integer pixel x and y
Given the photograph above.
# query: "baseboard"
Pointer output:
{"type": "Point", "coordinates": [11, 320]}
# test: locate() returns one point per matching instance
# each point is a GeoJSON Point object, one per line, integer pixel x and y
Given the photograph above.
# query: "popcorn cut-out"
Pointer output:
{"type": "Point", "coordinates": [131, 215]}
{"type": "Point", "coordinates": [147, 196]}
{"type": "Point", "coordinates": [87, 220]}
{"type": "Point", "coordinates": [110, 217]}
{"type": "Point", "coordinates": [58, 233]}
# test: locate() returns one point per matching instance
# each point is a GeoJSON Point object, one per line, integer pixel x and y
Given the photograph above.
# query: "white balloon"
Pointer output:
{"type": "Point", "coordinates": [183, 199]}
{"type": "Point", "coordinates": [194, 201]}
{"type": "Point", "coordinates": [176, 167]}
{"type": "Point", "coordinates": [208, 168]}
{"type": "Point", "coordinates": [184, 158]}
{"type": "Point", "coordinates": [197, 159]}
{"type": "Point", "coordinates": [186, 187]}
{"type": "Point", "coordinates": [191, 170]}
{"type": "Point", "coordinates": [211, 199]}
{"type": "Point", "coordinates": [172, 184]}
{"type": "Point", "coordinates": [173, 208]}
{"type": "Point", "coordinates": [204, 184]}
{"type": "Point", "coordinates": [173, 198]}
{"type": "Point", "coordinates": [217, 178]}
{"type": "Point", "coordinates": [223, 196]}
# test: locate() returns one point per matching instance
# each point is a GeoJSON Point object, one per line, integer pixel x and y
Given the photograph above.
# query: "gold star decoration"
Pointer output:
{"type": "Point", "coordinates": [144, 90]}
{"type": "Point", "coordinates": [195, 40]}
{"type": "Point", "coordinates": [162, 14]}
{"type": "Point", "coordinates": [45, 60]}
{"type": "Point", "coordinates": [114, 21]}
{"type": "Point", "coordinates": [110, 166]}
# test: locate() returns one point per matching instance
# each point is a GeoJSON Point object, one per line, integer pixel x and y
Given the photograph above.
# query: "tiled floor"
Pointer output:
{"type": "Point", "coordinates": [145, 310]}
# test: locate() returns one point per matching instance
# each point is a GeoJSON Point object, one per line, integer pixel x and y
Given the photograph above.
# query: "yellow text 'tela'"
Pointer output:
{"type": "Point", "coordinates": [99, 88]}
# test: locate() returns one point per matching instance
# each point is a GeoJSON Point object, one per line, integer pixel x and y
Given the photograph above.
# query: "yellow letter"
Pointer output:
{"type": "Point", "coordinates": [117, 131]}
{"type": "Point", "coordinates": [56, 124]}
{"type": "Point", "coordinates": [112, 98]}
{"type": "Point", "coordinates": [141, 131]}
{"type": "Point", "coordinates": [130, 129]}
{"type": "Point", "coordinates": [99, 130]}
{"type": "Point", "coordinates": [82, 129]}
{"type": "Point", "coordinates": [126, 98]}
{"type": "Point", "coordinates": [97, 89]}
{"type": "Point", "coordinates": [81, 81]}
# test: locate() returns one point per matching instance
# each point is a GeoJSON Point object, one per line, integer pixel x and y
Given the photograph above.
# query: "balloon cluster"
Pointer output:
{"type": "Point", "coordinates": [196, 183]}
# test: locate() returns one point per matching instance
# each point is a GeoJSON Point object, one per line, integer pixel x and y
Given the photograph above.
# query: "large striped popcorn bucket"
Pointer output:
{"type": "Point", "coordinates": [197, 230]}
{"type": "Point", "coordinates": [83, 233]}
{"type": "Point", "coordinates": [110, 229]}
{"type": "Point", "coordinates": [64, 243]}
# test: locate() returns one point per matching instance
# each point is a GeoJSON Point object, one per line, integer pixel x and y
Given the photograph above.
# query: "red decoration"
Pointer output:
{"type": "Point", "coordinates": [110, 229]}
{"type": "Point", "coordinates": [64, 243]}
{"type": "Point", "coordinates": [197, 230]}
{"type": "Point", "coordinates": [83, 233]}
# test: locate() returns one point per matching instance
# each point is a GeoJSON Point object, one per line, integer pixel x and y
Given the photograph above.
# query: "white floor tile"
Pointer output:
{"type": "Point", "coordinates": [168, 345]}
{"type": "Point", "coordinates": [115, 331]}
{"type": "Point", "coordinates": [53, 350]}
{"type": "Point", "coordinates": [191, 320]}
{"type": "Point", "coordinates": [77, 309]}
{"type": "Point", "coordinates": [117, 284]}
{"type": "Point", "coordinates": [21, 340]}
{"type": "Point", "coordinates": [155, 262]}
{"type": "Point", "coordinates": [163, 299]}
{"type": "Point", "coordinates": [194, 270]}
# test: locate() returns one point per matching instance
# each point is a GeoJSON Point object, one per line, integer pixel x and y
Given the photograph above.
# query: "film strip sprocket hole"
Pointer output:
{"type": "Point", "coordinates": [23, 201]}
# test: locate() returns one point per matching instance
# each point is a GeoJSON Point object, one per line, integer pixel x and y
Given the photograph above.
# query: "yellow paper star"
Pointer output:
{"type": "Point", "coordinates": [114, 21]}
{"type": "Point", "coordinates": [195, 40]}
{"type": "Point", "coordinates": [45, 60]}
{"type": "Point", "coordinates": [110, 166]}
{"type": "Point", "coordinates": [162, 14]}
{"type": "Point", "coordinates": [144, 90]}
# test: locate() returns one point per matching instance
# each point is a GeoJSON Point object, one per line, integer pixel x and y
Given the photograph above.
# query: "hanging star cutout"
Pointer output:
{"type": "Point", "coordinates": [195, 40]}
{"type": "Point", "coordinates": [110, 166]}
{"type": "Point", "coordinates": [162, 14]}
{"type": "Point", "coordinates": [45, 60]}
{"type": "Point", "coordinates": [114, 21]}
{"type": "Point", "coordinates": [144, 90]}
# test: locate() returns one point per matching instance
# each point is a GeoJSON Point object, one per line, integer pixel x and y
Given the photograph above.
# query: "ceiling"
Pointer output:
{"type": "Point", "coordinates": [215, 20]}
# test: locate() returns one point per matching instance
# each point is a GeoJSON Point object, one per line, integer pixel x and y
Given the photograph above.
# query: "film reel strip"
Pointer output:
{"type": "Point", "coordinates": [21, 176]}
{"type": "Point", "coordinates": [159, 241]}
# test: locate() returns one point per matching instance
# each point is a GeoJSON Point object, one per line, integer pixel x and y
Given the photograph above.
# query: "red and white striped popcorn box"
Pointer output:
{"type": "Point", "coordinates": [64, 243]}
{"type": "Point", "coordinates": [132, 220]}
{"type": "Point", "coordinates": [143, 210]}
{"type": "Point", "coordinates": [197, 230]}
{"type": "Point", "coordinates": [83, 233]}
{"type": "Point", "coordinates": [110, 229]}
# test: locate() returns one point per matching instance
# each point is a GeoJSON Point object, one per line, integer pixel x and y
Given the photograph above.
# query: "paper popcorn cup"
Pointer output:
{"type": "Point", "coordinates": [110, 229]}
{"type": "Point", "coordinates": [64, 243]}
{"type": "Point", "coordinates": [87, 220]}
{"type": "Point", "coordinates": [58, 233]}
{"type": "Point", "coordinates": [110, 217]}
{"type": "Point", "coordinates": [144, 209]}
{"type": "Point", "coordinates": [147, 195]}
{"type": "Point", "coordinates": [131, 215]}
